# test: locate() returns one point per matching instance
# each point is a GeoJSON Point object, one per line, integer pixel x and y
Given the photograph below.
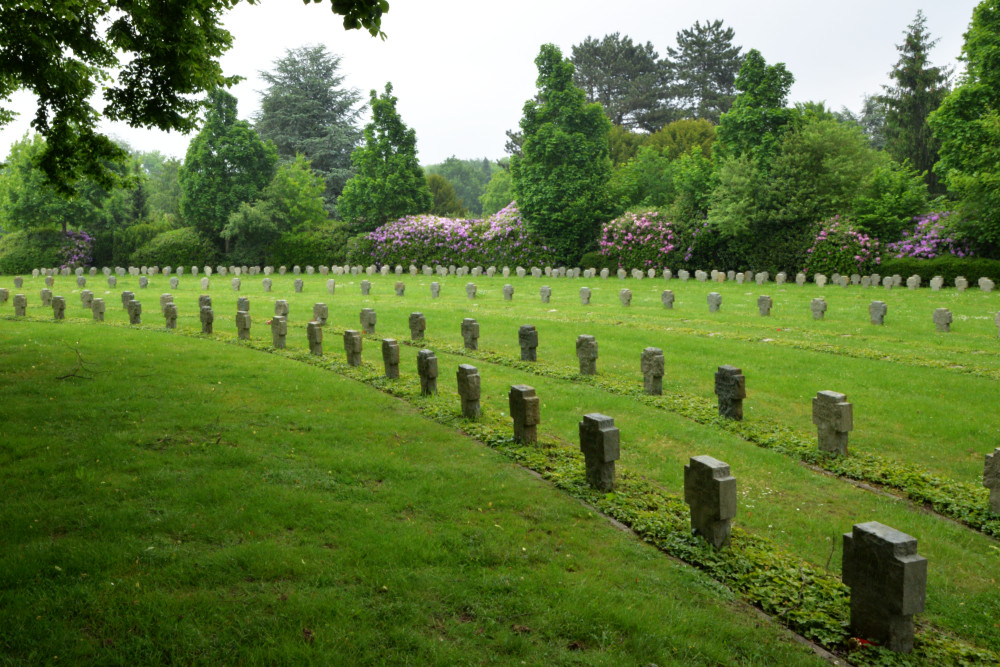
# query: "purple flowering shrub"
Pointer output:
{"type": "Point", "coordinates": [839, 248]}
{"type": "Point", "coordinates": [502, 239]}
{"type": "Point", "coordinates": [76, 250]}
{"type": "Point", "coordinates": [929, 238]}
{"type": "Point", "coordinates": [638, 240]}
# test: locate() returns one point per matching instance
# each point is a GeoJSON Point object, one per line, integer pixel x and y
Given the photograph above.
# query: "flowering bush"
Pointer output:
{"type": "Point", "coordinates": [75, 250]}
{"type": "Point", "coordinates": [638, 240]}
{"type": "Point", "coordinates": [839, 248]}
{"type": "Point", "coordinates": [502, 239]}
{"type": "Point", "coordinates": [930, 238]}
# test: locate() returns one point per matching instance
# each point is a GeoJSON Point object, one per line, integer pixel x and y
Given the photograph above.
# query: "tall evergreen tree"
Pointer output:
{"type": "Point", "coordinates": [628, 79]}
{"type": "Point", "coordinates": [918, 89]}
{"type": "Point", "coordinates": [226, 164]}
{"type": "Point", "coordinates": [306, 111]}
{"type": "Point", "coordinates": [388, 182]}
{"type": "Point", "coordinates": [560, 179]}
{"type": "Point", "coordinates": [704, 67]}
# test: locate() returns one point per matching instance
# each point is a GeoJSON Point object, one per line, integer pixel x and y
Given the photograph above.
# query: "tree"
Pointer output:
{"type": "Point", "coordinates": [498, 194]}
{"type": "Point", "coordinates": [467, 177]}
{"type": "Point", "coordinates": [704, 67]}
{"type": "Point", "coordinates": [226, 165]}
{"type": "Point", "coordinates": [445, 202]}
{"type": "Point", "coordinates": [968, 126]}
{"type": "Point", "coordinates": [151, 61]}
{"type": "Point", "coordinates": [919, 89]}
{"type": "Point", "coordinates": [388, 182]}
{"type": "Point", "coordinates": [162, 184]}
{"type": "Point", "coordinates": [682, 136]}
{"type": "Point", "coordinates": [871, 120]}
{"type": "Point", "coordinates": [628, 79]}
{"type": "Point", "coordinates": [560, 180]}
{"type": "Point", "coordinates": [306, 111]}
{"type": "Point", "coordinates": [759, 115]}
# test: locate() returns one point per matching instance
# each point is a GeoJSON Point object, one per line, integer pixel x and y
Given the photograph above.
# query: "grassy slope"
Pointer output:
{"type": "Point", "coordinates": [196, 502]}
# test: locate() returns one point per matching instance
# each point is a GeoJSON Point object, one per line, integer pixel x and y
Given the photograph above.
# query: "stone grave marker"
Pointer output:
{"type": "Point", "coordinates": [470, 290]}
{"type": "Point", "coordinates": [368, 320]}
{"type": "Point", "coordinates": [625, 296]}
{"type": "Point", "coordinates": [683, 275]}
{"type": "Point", "coordinates": [491, 271]}
{"type": "Point", "coordinates": [913, 282]}
{"type": "Point", "coordinates": [888, 583]}
{"type": "Point", "coordinates": [174, 282]}
{"type": "Point", "coordinates": [400, 288]}
{"type": "Point", "coordinates": [97, 308]}
{"type": "Point", "coordinates": [834, 420]}
{"type": "Point", "coordinates": [314, 334]}
{"type": "Point", "coordinates": [470, 333]}
{"type": "Point", "coordinates": [781, 278]}
{"type": "Point", "coordinates": [126, 297]}
{"type": "Point", "coordinates": [764, 304]}
{"type": "Point", "coordinates": [961, 284]}
{"type": "Point", "coordinates": [877, 311]}
{"type": "Point", "coordinates": [508, 292]}
{"type": "Point", "coordinates": [525, 411]}
{"type": "Point", "coordinates": [855, 279]}
{"type": "Point", "coordinates": [50, 281]}
{"type": "Point", "coordinates": [165, 298]}
{"type": "Point", "coordinates": [700, 276]}
{"type": "Point", "coordinates": [390, 357]}
{"type": "Point", "coordinates": [320, 313]}
{"type": "Point", "coordinates": [818, 308]}
{"type": "Point", "coordinates": [170, 315]}
{"type": "Point", "coordinates": [710, 492]}
{"type": "Point", "coordinates": [279, 329]}
{"type": "Point", "coordinates": [519, 272]}
{"type": "Point", "coordinates": [418, 325]}
{"type": "Point", "coordinates": [243, 303]}
{"type": "Point", "coordinates": [527, 338]}
{"type": "Point", "coordinates": [20, 305]}
{"type": "Point", "coordinates": [82, 282]}
{"type": "Point", "coordinates": [942, 319]}
{"type": "Point", "coordinates": [435, 290]}
{"type": "Point", "coordinates": [205, 283]}
{"type": "Point", "coordinates": [331, 286]}
{"type": "Point", "coordinates": [731, 388]}
{"type": "Point", "coordinates": [46, 295]}
{"type": "Point", "coordinates": [366, 287]}
{"type": "Point", "coordinates": [601, 447]}
{"type": "Point", "coordinates": [652, 365]}
{"type": "Point", "coordinates": [667, 274]}
{"type": "Point", "coordinates": [58, 308]}
{"type": "Point", "coordinates": [235, 283]}
{"type": "Point", "coordinates": [667, 299]}
{"type": "Point", "coordinates": [205, 300]}
{"type": "Point", "coordinates": [299, 284]}
{"type": "Point", "coordinates": [586, 353]}
{"type": "Point", "coordinates": [469, 390]}
{"type": "Point", "coordinates": [866, 281]}
{"type": "Point", "coordinates": [996, 318]}
{"type": "Point", "coordinates": [296, 270]}
{"type": "Point", "coordinates": [937, 282]}
{"type": "Point", "coordinates": [986, 285]}
{"type": "Point", "coordinates": [800, 278]}
{"type": "Point", "coordinates": [267, 284]}
{"type": "Point", "coordinates": [991, 479]}
{"type": "Point", "coordinates": [714, 301]}
{"type": "Point", "coordinates": [622, 274]}
{"type": "Point", "coordinates": [897, 280]}
{"type": "Point", "coordinates": [604, 274]}
{"type": "Point", "coordinates": [4, 295]}
{"type": "Point", "coordinates": [546, 293]}
{"type": "Point", "coordinates": [134, 312]}
{"type": "Point", "coordinates": [740, 278]}
{"type": "Point", "coordinates": [637, 274]}
{"type": "Point", "coordinates": [820, 280]}
{"type": "Point", "coordinates": [761, 277]}
{"type": "Point", "coordinates": [281, 308]}
{"type": "Point", "coordinates": [207, 319]}
{"type": "Point", "coordinates": [243, 322]}
{"type": "Point", "coordinates": [585, 296]}
{"type": "Point", "coordinates": [505, 272]}
{"type": "Point", "coordinates": [143, 282]}
{"type": "Point", "coordinates": [427, 369]}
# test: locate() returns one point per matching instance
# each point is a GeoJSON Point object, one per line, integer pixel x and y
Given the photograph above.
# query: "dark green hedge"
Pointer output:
{"type": "Point", "coordinates": [326, 246]}
{"type": "Point", "coordinates": [948, 267]}
{"type": "Point", "coordinates": [22, 251]}
{"type": "Point", "coordinates": [178, 247]}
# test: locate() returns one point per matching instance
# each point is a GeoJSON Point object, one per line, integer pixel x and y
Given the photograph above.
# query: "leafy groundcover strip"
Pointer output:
{"type": "Point", "coordinates": [810, 601]}
{"type": "Point", "coordinates": [961, 501]}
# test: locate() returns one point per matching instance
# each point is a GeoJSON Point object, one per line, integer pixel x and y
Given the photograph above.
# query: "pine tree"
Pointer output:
{"type": "Point", "coordinates": [704, 67]}
{"type": "Point", "coordinates": [388, 182]}
{"type": "Point", "coordinates": [918, 90]}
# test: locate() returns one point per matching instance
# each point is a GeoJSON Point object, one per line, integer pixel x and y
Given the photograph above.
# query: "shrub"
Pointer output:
{"type": "Point", "coordinates": [839, 248]}
{"type": "Point", "coordinates": [596, 260]}
{"type": "Point", "coordinates": [505, 240]}
{"type": "Point", "coordinates": [638, 240]}
{"type": "Point", "coordinates": [76, 249]}
{"type": "Point", "coordinates": [324, 246]}
{"type": "Point", "coordinates": [127, 241]}
{"type": "Point", "coordinates": [360, 249]}
{"type": "Point", "coordinates": [930, 238]}
{"type": "Point", "coordinates": [178, 247]}
{"type": "Point", "coordinates": [948, 267]}
{"type": "Point", "coordinates": [22, 251]}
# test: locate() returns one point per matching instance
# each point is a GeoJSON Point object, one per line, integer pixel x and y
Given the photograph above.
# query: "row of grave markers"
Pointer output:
{"type": "Point", "coordinates": [760, 277]}
{"type": "Point", "coordinates": [880, 565]}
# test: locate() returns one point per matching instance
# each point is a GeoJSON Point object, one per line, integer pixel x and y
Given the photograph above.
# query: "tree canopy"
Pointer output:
{"type": "Point", "coordinates": [150, 61]}
{"type": "Point", "coordinates": [704, 67]}
{"type": "Point", "coordinates": [759, 115]}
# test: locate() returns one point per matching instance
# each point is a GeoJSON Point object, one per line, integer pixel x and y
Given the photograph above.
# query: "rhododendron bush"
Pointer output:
{"type": "Point", "coordinates": [930, 238]}
{"type": "Point", "coordinates": [839, 248]}
{"type": "Point", "coordinates": [638, 240]}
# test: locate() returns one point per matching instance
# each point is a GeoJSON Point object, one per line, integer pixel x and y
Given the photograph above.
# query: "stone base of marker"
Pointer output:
{"type": "Point", "coordinates": [888, 583]}
{"type": "Point", "coordinates": [877, 311]}
{"type": "Point", "coordinates": [368, 320]}
{"type": "Point", "coordinates": [527, 338]}
{"type": "Point", "coordinates": [470, 333]}
{"type": "Point", "coordinates": [314, 334]}
{"type": "Point", "coordinates": [170, 315]}
{"type": "Point", "coordinates": [834, 419]}
{"type": "Point", "coordinates": [427, 369]}
{"type": "Point", "coordinates": [352, 347]}
{"type": "Point", "coordinates": [710, 491]}
{"type": "Point", "coordinates": [652, 365]}
{"type": "Point", "coordinates": [730, 387]}
{"type": "Point", "coordinates": [97, 308]}
{"type": "Point", "coordinates": [207, 319]}
{"type": "Point", "coordinates": [991, 479]}
{"type": "Point", "coordinates": [279, 329]}
{"type": "Point", "coordinates": [601, 447]}
{"type": "Point", "coordinates": [320, 313]}
{"type": "Point", "coordinates": [58, 308]}
{"type": "Point", "coordinates": [469, 390]}
{"type": "Point", "coordinates": [134, 312]}
{"type": "Point", "coordinates": [586, 353]}
{"type": "Point", "coordinates": [525, 411]}
{"type": "Point", "coordinates": [390, 357]}
{"type": "Point", "coordinates": [243, 322]}
{"type": "Point", "coordinates": [418, 325]}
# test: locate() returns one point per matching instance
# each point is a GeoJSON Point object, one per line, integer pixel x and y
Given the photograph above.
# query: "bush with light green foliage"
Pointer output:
{"type": "Point", "coordinates": [22, 251]}
{"type": "Point", "coordinates": [178, 247]}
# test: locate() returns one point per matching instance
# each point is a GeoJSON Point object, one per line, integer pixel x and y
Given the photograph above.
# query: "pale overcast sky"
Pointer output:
{"type": "Point", "coordinates": [462, 69]}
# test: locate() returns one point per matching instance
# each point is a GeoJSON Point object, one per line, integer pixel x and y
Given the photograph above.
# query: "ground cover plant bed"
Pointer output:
{"type": "Point", "coordinates": [801, 512]}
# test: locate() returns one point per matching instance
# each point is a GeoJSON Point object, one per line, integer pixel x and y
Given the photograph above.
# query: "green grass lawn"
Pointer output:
{"type": "Point", "coordinates": [920, 397]}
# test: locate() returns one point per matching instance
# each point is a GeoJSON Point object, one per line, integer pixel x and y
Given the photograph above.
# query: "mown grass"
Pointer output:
{"type": "Point", "coordinates": [917, 408]}
{"type": "Point", "coordinates": [193, 502]}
